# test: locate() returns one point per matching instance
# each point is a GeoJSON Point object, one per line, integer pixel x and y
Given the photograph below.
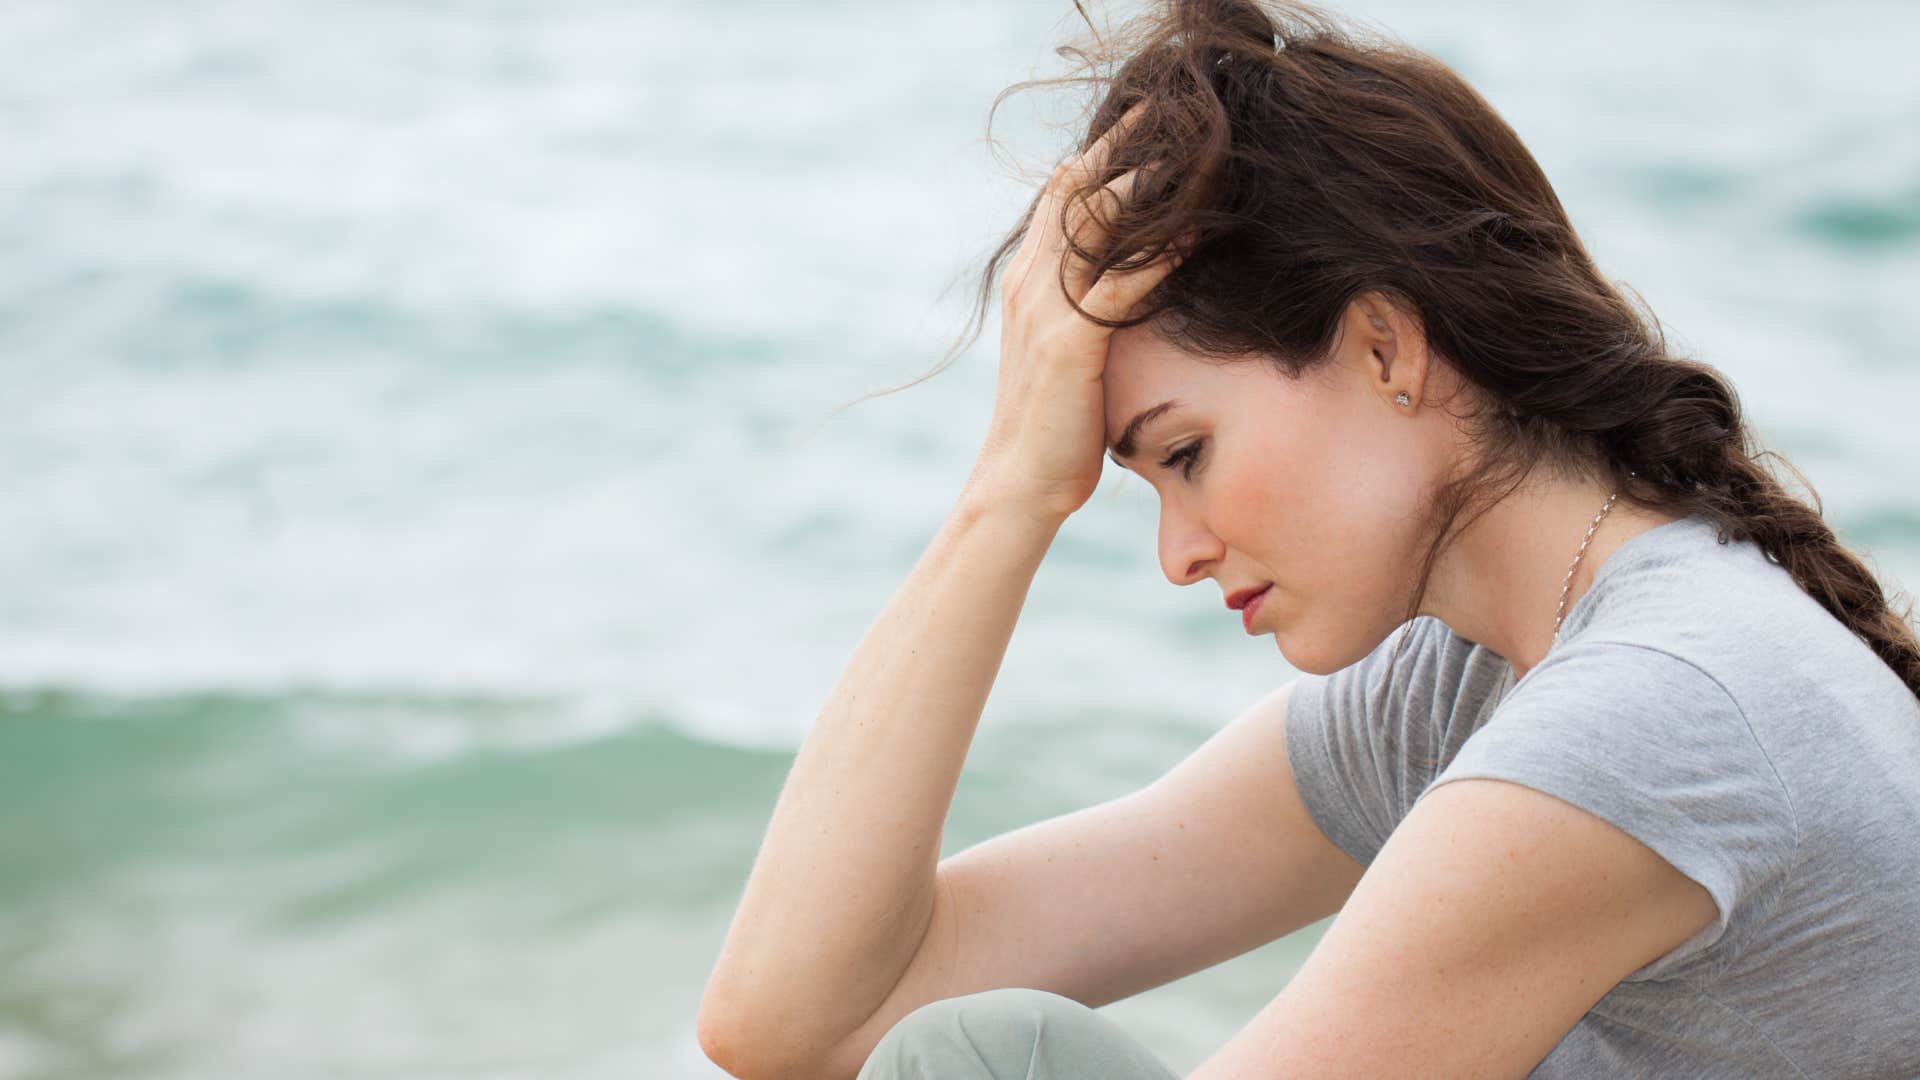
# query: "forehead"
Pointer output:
{"type": "Point", "coordinates": [1143, 370]}
{"type": "Point", "coordinates": [1140, 365]}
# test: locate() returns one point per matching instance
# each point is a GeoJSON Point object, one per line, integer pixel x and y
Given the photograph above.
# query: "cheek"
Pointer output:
{"type": "Point", "coordinates": [1362, 485]}
{"type": "Point", "coordinates": [1251, 506]}
{"type": "Point", "coordinates": [1258, 499]}
{"type": "Point", "coordinates": [1335, 528]}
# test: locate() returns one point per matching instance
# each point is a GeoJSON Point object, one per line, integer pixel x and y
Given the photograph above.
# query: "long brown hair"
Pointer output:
{"type": "Point", "coordinates": [1300, 162]}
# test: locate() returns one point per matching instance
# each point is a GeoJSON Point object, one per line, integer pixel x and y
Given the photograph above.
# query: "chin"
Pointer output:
{"type": "Point", "coordinates": [1309, 660]}
{"type": "Point", "coordinates": [1308, 667]}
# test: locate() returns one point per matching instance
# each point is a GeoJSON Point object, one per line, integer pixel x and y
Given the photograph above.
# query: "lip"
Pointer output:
{"type": "Point", "coordinates": [1247, 602]}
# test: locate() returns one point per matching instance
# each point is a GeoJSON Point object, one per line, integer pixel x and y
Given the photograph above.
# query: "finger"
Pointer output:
{"type": "Point", "coordinates": [1034, 241]}
{"type": "Point", "coordinates": [1045, 241]}
{"type": "Point", "coordinates": [1092, 162]}
{"type": "Point", "coordinates": [1068, 176]}
{"type": "Point", "coordinates": [1117, 292]}
{"type": "Point", "coordinates": [1086, 222]}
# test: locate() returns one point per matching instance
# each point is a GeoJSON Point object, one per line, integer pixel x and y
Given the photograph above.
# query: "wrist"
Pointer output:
{"type": "Point", "coordinates": [978, 505]}
{"type": "Point", "coordinates": [1003, 487]}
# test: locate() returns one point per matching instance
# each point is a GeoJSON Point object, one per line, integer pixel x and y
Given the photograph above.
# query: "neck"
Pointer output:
{"type": "Point", "coordinates": [1499, 584]}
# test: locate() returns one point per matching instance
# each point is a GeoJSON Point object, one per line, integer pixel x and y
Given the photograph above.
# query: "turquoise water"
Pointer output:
{"type": "Point", "coordinates": [426, 539]}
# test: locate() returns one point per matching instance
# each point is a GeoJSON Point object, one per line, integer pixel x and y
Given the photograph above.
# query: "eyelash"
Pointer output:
{"type": "Point", "coordinates": [1184, 457]}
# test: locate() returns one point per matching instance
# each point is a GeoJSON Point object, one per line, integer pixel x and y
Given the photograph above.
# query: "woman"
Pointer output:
{"type": "Point", "coordinates": [1606, 749]}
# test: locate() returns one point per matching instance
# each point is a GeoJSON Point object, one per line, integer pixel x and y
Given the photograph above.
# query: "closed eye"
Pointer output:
{"type": "Point", "coordinates": [1185, 457]}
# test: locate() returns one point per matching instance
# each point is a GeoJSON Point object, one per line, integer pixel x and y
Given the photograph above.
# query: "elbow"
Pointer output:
{"type": "Point", "coordinates": [723, 1039]}
{"type": "Point", "coordinates": [749, 1049]}
{"type": "Point", "coordinates": [714, 1040]}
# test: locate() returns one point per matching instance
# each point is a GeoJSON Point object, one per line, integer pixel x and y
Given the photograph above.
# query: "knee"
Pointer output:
{"type": "Point", "coordinates": [1016, 1033]}
{"type": "Point", "coordinates": [990, 1035]}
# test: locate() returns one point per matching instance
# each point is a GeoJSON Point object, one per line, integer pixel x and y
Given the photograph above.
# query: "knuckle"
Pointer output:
{"type": "Point", "coordinates": [1013, 290]}
{"type": "Point", "coordinates": [1014, 277]}
{"type": "Point", "coordinates": [1042, 341]}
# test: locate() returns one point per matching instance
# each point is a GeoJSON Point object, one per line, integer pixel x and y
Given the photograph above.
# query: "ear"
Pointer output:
{"type": "Point", "coordinates": [1391, 348]}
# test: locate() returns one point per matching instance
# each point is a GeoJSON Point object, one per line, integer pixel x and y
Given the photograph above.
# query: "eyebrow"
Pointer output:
{"type": "Point", "coordinates": [1124, 446]}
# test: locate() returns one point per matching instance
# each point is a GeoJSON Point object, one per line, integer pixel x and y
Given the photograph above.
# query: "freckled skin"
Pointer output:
{"type": "Point", "coordinates": [1317, 485]}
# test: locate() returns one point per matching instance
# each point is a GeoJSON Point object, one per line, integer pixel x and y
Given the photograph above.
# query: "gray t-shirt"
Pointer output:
{"type": "Point", "coordinates": [1703, 703]}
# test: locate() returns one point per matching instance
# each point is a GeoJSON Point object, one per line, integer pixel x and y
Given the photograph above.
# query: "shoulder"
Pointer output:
{"type": "Point", "coordinates": [1653, 745]}
{"type": "Point", "coordinates": [1634, 698]}
{"type": "Point", "coordinates": [1688, 590]}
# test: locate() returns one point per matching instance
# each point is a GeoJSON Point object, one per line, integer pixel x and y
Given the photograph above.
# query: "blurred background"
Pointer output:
{"type": "Point", "coordinates": [426, 535]}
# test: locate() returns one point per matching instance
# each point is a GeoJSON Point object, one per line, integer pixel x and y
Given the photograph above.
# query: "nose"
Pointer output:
{"type": "Point", "coordinates": [1187, 546]}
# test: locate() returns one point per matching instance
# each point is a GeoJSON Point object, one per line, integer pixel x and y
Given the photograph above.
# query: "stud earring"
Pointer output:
{"type": "Point", "coordinates": [1403, 398]}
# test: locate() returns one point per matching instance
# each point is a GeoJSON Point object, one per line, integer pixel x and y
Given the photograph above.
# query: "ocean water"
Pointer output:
{"type": "Point", "coordinates": [427, 534]}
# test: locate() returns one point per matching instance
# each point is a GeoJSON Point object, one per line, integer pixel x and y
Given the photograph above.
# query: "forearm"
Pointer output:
{"type": "Point", "coordinates": [842, 889]}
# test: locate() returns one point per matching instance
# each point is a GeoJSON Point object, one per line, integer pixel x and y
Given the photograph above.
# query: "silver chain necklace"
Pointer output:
{"type": "Point", "coordinates": [1561, 611]}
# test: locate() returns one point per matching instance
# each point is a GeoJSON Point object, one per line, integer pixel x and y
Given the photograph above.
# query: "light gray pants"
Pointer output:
{"type": "Point", "coordinates": [1010, 1034]}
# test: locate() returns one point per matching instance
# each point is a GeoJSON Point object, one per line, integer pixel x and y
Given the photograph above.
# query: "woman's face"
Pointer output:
{"type": "Point", "coordinates": [1317, 488]}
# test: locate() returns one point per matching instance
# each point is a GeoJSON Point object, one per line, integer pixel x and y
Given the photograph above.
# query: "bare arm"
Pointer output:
{"type": "Point", "coordinates": [1214, 858]}
{"type": "Point", "coordinates": [842, 891]}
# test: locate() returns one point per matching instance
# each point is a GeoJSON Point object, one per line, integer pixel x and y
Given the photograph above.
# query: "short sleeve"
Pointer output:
{"type": "Point", "coordinates": [1652, 744]}
{"type": "Point", "coordinates": [1332, 752]}
{"type": "Point", "coordinates": [1347, 734]}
